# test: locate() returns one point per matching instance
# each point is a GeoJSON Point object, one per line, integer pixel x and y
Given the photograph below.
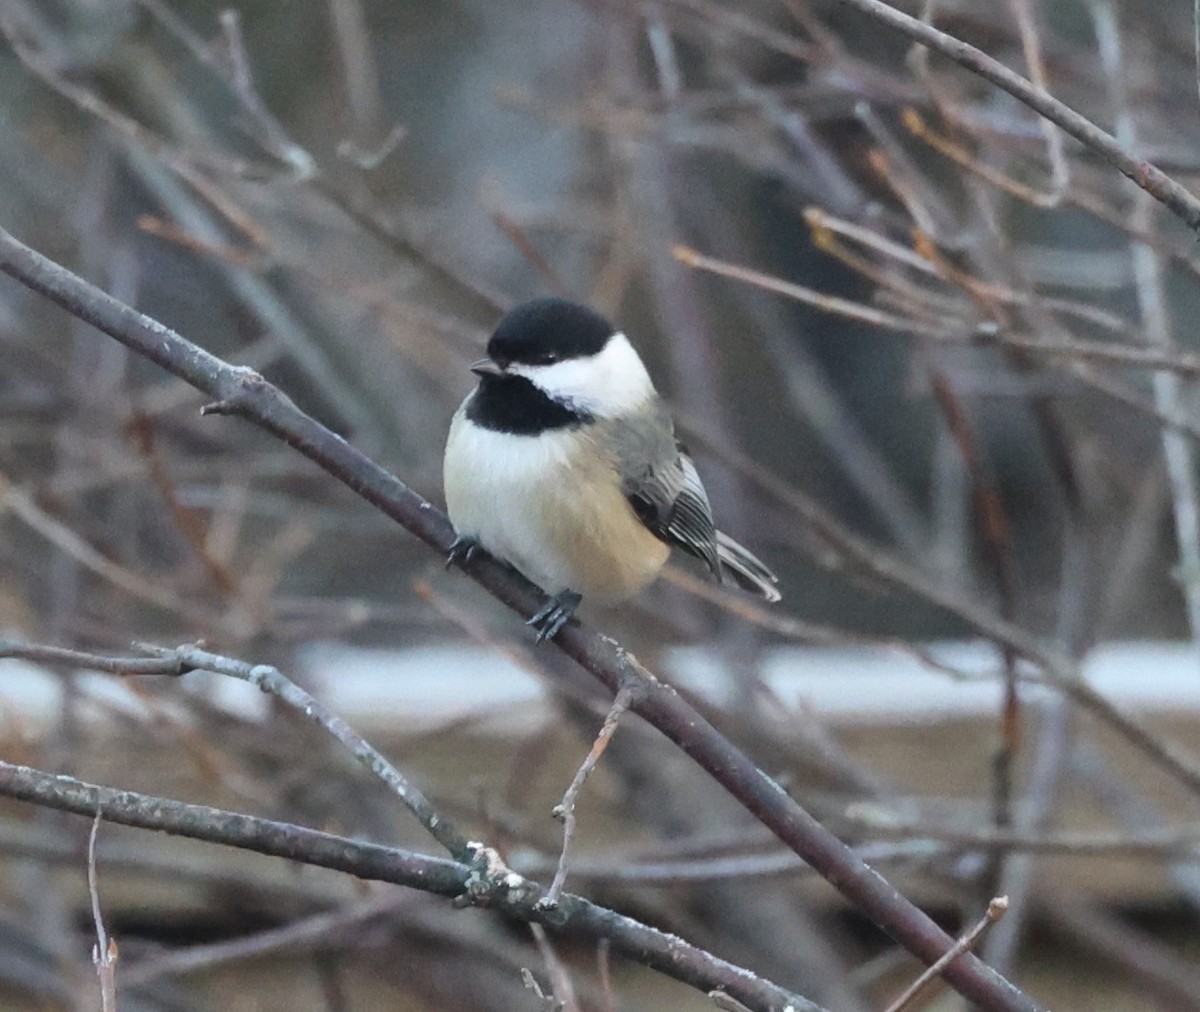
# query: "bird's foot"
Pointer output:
{"type": "Point", "coordinates": [554, 614]}
{"type": "Point", "coordinates": [461, 551]}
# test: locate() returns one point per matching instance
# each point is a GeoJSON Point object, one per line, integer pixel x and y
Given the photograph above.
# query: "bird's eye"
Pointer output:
{"type": "Point", "coordinates": [545, 358]}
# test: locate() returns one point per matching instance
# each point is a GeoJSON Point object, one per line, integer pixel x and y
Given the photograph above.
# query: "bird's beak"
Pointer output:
{"type": "Point", "coordinates": [486, 367]}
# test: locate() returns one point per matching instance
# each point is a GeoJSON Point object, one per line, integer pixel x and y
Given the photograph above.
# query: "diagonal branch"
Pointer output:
{"type": "Point", "coordinates": [270, 679]}
{"type": "Point", "coordinates": [1149, 177]}
{"type": "Point", "coordinates": [509, 894]}
{"type": "Point", "coordinates": [243, 392]}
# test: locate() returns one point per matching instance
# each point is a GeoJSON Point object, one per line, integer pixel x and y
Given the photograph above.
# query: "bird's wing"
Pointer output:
{"type": "Point", "coordinates": [662, 485]}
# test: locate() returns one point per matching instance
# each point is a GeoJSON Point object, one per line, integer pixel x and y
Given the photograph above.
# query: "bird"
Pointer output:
{"type": "Point", "coordinates": [563, 462]}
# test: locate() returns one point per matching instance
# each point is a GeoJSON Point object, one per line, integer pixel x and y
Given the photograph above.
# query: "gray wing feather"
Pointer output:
{"type": "Point", "coordinates": [662, 485]}
{"type": "Point", "coordinates": [747, 569]}
{"type": "Point", "coordinates": [664, 489]}
{"type": "Point", "coordinates": [691, 522]}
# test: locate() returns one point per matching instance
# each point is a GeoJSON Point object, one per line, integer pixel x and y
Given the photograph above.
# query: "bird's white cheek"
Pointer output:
{"type": "Point", "coordinates": [606, 385]}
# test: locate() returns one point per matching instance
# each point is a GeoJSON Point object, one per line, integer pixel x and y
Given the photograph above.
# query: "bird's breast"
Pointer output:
{"type": "Point", "coordinates": [552, 506]}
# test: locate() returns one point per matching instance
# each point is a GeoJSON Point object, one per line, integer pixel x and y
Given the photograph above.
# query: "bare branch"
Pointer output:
{"type": "Point", "coordinates": [272, 680]}
{"type": "Point", "coordinates": [275, 138]}
{"type": "Point", "coordinates": [509, 894]}
{"type": "Point", "coordinates": [950, 331]}
{"type": "Point", "coordinates": [996, 909]}
{"type": "Point", "coordinates": [243, 392]}
{"type": "Point", "coordinates": [1059, 173]}
{"type": "Point", "coordinates": [566, 809]}
{"type": "Point", "coordinates": [1146, 175]}
{"type": "Point", "coordinates": [104, 953]}
{"type": "Point", "coordinates": [304, 933]}
{"type": "Point", "coordinates": [560, 978]}
{"type": "Point", "coordinates": [1149, 283]}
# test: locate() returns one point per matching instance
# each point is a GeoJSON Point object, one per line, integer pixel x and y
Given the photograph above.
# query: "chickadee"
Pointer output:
{"type": "Point", "coordinates": [564, 463]}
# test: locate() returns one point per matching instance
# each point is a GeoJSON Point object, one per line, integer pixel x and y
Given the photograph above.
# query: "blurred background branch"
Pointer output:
{"type": "Point", "coordinates": [976, 423]}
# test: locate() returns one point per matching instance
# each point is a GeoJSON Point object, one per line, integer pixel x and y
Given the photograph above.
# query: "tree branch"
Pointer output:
{"type": "Point", "coordinates": [243, 392]}
{"type": "Point", "coordinates": [1149, 177]}
{"type": "Point", "coordinates": [508, 893]}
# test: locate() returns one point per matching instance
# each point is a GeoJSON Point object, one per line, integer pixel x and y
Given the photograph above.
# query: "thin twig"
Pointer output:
{"type": "Point", "coordinates": [139, 586]}
{"type": "Point", "coordinates": [358, 63]}
{"type": "Point", "coordinates": [822, 223]}
{"type": "Point", "coordinates": [560, 979]}
{"type": "Point", "coordinates": [897, 169]}
{"type": "Point", "coordinates": [1162, 976]}
{"type": "Point", "coordinates": [1018, 879]}
{"type": "Point", "coordinates": [1059, 174]}
{"type": "Point", "coordinates": [82, 659]}
{"type": "Point", "coordinates": [275, 137]}
{"type": "Point", "coordinates": [802, 631]}
{"type": "Point", "coordinates": [746, 867]}
{"type": "Point", "coordinates": [189, 522]}
{"type": "Point", "coordinates": [104, 952]}
{"type": "Point", "coordinates": [565, 810]}
{"type": "Point", "coordinates": [962, 332]}
{"type": "Point", "coordinates": [519, 238]}
{"type": "Point", "coordinates": [1151, 844]}
{"type": "Point", "coordinates": [801, 293]}
{"type": "Point", "coordinates": [662, 49]}
{"type": "Point", "coordinates": [1149, 177]}
{"type": "Point", "coordinates": [1100, 208]}
{"type": "Point", "coordinates": [821, 405]}
{"type": "Point", "coordinates": [604, 972]}
{"type": "Point", "coordinates": [996, 909]}
{"type": "Point", "coordinates": [1169, 394]}
{"type": "Point", "coordinates": [184, 163]}
{"type": "Point", "coordinates": [737, 22]}
{"type": "Point", "coordinates": [303, 934]}
{"type": "Point", "coordinates": [547, 1001]}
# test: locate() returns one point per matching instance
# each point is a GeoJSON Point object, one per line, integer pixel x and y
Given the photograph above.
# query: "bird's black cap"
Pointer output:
{"type": "Point", "coordinates": [548, 330]}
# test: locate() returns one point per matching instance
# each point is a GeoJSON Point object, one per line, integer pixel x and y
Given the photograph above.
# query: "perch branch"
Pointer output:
{"type": "Point", "coordinates": [242, 392]}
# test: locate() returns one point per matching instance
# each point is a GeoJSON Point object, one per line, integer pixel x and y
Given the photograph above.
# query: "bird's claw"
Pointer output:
{"type": "Point", "coordinates": [554, 614]}
{"type": "Point", "coordinates": [461, 551]}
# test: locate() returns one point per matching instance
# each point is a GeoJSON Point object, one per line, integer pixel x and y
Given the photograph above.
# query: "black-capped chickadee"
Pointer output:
{"type": "Point", "coordinates": [564, 463]}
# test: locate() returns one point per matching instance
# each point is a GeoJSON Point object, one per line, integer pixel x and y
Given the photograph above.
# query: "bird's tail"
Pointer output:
{"type": "Point", "coordinates": [745, 569]}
